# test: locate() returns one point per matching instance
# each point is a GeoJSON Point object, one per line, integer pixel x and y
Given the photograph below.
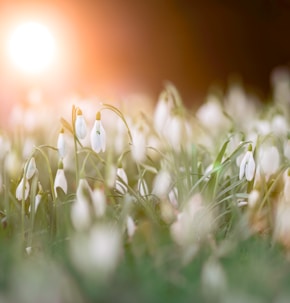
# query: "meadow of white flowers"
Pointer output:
{"type": "Point", "coordinates": [93, 197]}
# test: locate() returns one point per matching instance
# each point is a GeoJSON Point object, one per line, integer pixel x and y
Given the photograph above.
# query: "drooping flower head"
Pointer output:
{"type": "Point", "coordinates": [30, 168]}
{"type": "Point", "coordinates": [98, 135]}
{"type": "Point", "coordinates": [248, 166]}
{"type": "Point", "coordinates": [60, 179]}
{"type": "Point", "coordinates": [80, 125]}
{"type": "Point", "coordinates": [22, 190]}
{"type": "Point", "coordinates": [61, 144]}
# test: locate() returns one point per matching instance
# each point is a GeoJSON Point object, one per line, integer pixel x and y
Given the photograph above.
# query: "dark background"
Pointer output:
{"type": "Point", "coordinates": [122, 47]}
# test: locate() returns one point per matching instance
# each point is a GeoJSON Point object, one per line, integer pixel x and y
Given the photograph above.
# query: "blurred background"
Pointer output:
{"type": "Point", "coordinates": [113, 49]}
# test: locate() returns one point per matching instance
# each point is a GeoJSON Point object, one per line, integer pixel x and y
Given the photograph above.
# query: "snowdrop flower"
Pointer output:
{"type": "Point", "coordinates": [282, 223]}
{"type": "Point", "coordinates": [131, 227]}
{"type": "Point", "coordinates": [279, 125]}
{"type": "Point", "coordinates": [98, 135]}
{"type": "Point", "coordinates": [138, 148]}
{"type": "Point", "coordinates": [254, 197]}
{"type": "Point", "coordinates": [193, 223]}
{"type": "Point", "coordinates": [121, 185]}
{"type": "Point", "coordinates": [22, 190]}
{"type": "Point", "coordinates": [61, 144]}
{"type": "Point", "coordinates": [99, 201]}
{"type": "Point", "coordinates": [80, 125]}
{"type": "Point", "coordinates": [162, 183]}
{"type": "Point", "coordinates": [248, 166]}
{"type": "Point", "coordinates": [162, 111]}
{"type": "Point", "coordinates": [269, 160]}
{"type": "Point", "coordinates": [80, 211]}
{"type": "Point", "coordinates": [36, 202]}
{"type": "Point", "coordinates": [142, 187]}
{"type": "Point", "coordinates": [175, 132]}
{"type": "Point", "coordinates": [60, 179]}
{"type": "Point", "coordinates": [30, 168]}
{"type": "Point", "coordinates": [211, 115]}
{"type": "Point", "coordinates": [286, 190]}
{"type": "Point", "coordinates": [98, 251]}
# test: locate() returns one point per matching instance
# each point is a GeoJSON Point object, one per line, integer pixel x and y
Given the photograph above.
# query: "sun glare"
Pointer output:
{"type": "Point", "coordinates": [31, 47]}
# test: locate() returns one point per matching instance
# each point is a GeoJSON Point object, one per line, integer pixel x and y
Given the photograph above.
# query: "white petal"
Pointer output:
{"type": "Point", "coordinates": [98, 137]}
{"type": "Point", "coordinates": [20, 189]}
{"type": "Point", "coordinates": [80, 215]}
{"type": "Point", "coordinates": [121, 186]}
{"type": "Point", "coordinates": [61, 145]}
{"type": "Point", "coordinates": [250, 168]}
{"type": "Point", "coordinates": [243, 165]}
{"type": "Point", "coordinates": [31, 168]}
{"type": "Point", "coordinates": [60, 181]}
{"type": "Point", "coordinates": [131, 227]}
{"type": "Point", "coordinates": [99, 202]}
{"type": "Point", "coordinates": [80, 127]}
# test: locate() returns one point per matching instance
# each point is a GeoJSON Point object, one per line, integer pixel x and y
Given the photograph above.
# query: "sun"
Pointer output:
{"type": "Point", "coordinates": [31, 47]}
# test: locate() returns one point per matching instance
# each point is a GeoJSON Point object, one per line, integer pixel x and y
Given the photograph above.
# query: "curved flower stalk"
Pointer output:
{"type": "Point", "coordinates": [80, 125]}
{"type": "Point", "coordinates": [22, 189]}
{"type": "Point", "coordinates": [61, 147]}
{"type": "Point", "coordinates": [248, 166]}
{"type": "Point", "coordinates": [98, 135]}
{"type": "Point", "coordinates": [60, 179]}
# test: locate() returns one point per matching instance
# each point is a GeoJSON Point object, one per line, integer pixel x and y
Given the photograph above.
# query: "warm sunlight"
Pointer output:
{"type": "Point", "coordinates": [31, 47]}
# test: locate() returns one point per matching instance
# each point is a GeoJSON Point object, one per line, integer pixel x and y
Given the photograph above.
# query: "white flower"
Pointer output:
{"type": "Point", "coordinates": [138, 148]}
{"type": "Point", "coordinates": [61, 144]}
{"type": "Point", "coordinates": [80, 125]}
{"type": "Point", "coordinates": [80, 211]}
{"type": "Point", "coordinates": [36, 202]}
{"type": "Point", "coordinates": [248, 166]}
{"type": "Point", "coordinates": [99, 201]}
{"type": "Point", "coordinates": [131, 227]}
{"type": "Point", "coordinates": [162, 111]}
{"type": "Point", "coordinates": [287, 148]}
{"type": "Point", "coordinates": [30, 168]}
{"type": "Point", "coordinates": [98, 251]}
{"type": "Point", "coordinates": [286, 190]}
{"type": "Point", "coordinates": [98, 135]}
{"type": "Point", "coordinates": [122, 183]}
{"type": "Point", "coordinates": [269, 160]}
{"type": "Point", "coordinates": [175, 132]}
{"type": "Point", "coordinates": [162, 183]}
{"type": "Point", "coordinates": [279, 125]}
{"type": "Point", "coordinates": [80, 215]}
{"type": "Point", "coordinates": [21, 192]}
{"type": "Point", "coordinates": [142, 187]}
{"type": "Point", "coordinates": [210, 114]}
{"type": "Point", "coordinates": [60, 180]}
